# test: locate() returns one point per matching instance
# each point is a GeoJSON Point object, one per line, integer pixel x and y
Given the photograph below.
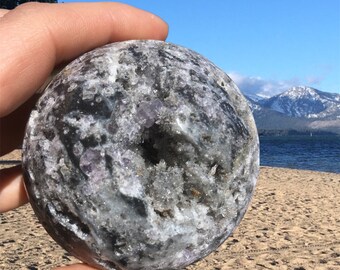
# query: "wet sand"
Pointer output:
{"type": "Point", "coordinates": [293, 222]}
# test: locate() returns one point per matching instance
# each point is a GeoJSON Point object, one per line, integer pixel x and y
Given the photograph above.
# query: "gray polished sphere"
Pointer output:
{"type": "Point", "coordinates": [140, 155]}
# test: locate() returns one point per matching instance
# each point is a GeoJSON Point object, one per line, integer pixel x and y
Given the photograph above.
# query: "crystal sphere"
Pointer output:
{"type": "Point", "coordinates": [140, 155]}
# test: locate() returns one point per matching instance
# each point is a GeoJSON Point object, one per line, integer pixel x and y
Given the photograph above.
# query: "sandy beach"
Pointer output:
{"type": "Point", "coordinates": [293, 222]}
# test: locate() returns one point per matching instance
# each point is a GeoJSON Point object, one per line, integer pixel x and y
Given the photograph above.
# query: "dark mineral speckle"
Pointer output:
{"type": "Point", "coordinates": [140, 155]}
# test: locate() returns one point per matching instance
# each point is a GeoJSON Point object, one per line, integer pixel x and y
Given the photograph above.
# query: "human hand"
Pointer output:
{"type": "Point", "coordinates": [36, 38]}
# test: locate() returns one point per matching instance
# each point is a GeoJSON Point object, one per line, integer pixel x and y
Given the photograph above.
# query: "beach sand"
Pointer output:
{"type": "Point", "coordinates": [293, 222]}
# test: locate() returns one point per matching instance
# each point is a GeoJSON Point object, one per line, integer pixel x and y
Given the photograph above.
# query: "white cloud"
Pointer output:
{"type": "Point", "coordinates": [261, 87]}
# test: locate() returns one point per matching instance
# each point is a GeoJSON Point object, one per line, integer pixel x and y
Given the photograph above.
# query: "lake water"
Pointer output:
{"type": "Point", "coordinates": [318, 153]}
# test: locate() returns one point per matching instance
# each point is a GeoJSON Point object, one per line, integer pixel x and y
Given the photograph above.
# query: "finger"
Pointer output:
{"type": "Point", "coordinates": [3, 12]}
{"type": "Point", "coordinates": [76, 267]}
{"type": "Point", "coordinates": [37, 37]}
{"type": "Point", "coordinates": [12, 127]}
{"type": "Point", "coordinates": [12, 190]}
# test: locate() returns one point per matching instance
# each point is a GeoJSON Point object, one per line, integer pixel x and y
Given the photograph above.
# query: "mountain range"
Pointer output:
{"type": "Point", "coordinates": [300, 109]}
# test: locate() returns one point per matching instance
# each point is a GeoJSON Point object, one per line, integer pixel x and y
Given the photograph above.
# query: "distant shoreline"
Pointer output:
{"type": "Point", "coordinates": [293, 132]}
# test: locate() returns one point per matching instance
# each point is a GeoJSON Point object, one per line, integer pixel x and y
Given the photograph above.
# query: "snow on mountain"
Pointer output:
{"type": "Point", "coordinates": [253, 103]}
{"type": "Point", "coordinates": [255, 97]}
{"type": "Point", "coordinates": [299, 108]}
{"type": "Point", "coordinates": [305, 102]}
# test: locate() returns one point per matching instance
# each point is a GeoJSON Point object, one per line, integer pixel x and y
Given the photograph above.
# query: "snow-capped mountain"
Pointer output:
{"type": "Point", "coordinates": [299, 108]}
{"type": "Point", "coordinates": [305, 102]}
{"type": "Point", "coordinates": [253, 103]}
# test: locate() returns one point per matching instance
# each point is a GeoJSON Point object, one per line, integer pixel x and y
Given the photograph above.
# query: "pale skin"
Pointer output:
{"type": "Point", "coordinates": [36, 38]}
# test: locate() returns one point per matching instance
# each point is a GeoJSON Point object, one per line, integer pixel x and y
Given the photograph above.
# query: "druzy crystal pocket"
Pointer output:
{"type": "Point", "coordinates": [140, 155]}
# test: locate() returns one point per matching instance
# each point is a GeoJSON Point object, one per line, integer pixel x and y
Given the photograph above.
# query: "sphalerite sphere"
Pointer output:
{"type": "Point", "coordinates": [140, 155]}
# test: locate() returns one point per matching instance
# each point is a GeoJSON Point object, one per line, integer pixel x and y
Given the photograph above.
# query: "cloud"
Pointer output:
{"type": "Point", "coordinates": [261, 87]}
{"type": "Point", "coordinates": [315, 80]}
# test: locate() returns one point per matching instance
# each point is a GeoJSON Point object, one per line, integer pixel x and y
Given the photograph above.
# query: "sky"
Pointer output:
{"type": "Point", "coordinates": [266, 46]}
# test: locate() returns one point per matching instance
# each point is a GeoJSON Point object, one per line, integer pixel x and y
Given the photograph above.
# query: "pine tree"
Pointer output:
{"type": "Point", "coordinates": [11, 4]}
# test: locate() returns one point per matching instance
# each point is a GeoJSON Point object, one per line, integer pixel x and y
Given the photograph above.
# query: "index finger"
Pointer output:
{"type": "Point", "coordinates": [37, 37]}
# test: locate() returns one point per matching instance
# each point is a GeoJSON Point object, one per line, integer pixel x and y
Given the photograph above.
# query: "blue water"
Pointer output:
{"type": "Point", "coordinates": [318, 153]}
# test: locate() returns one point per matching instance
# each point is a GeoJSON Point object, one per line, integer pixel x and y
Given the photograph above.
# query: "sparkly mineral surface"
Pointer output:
{"type": "Point", "coordinates": [140, 155]}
